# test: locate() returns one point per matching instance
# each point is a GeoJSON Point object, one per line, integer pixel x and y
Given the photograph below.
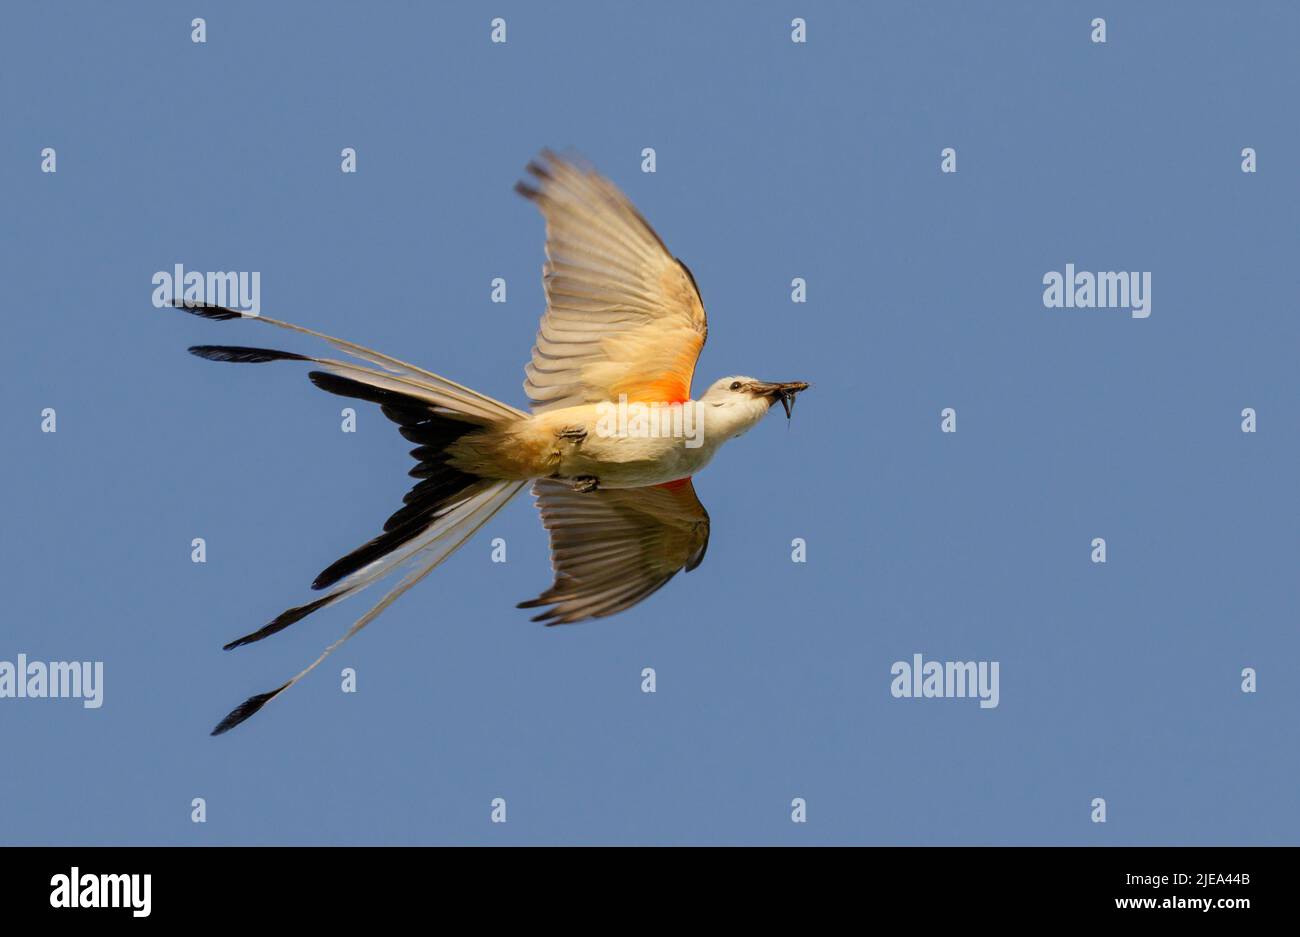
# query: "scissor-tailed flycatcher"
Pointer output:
{"type": "Point", "coordinates": [623, 328]}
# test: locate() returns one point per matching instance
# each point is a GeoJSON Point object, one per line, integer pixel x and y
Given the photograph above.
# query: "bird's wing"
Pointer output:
{"type": "Point", "coordinates": [623, 316]}
{"type": "Point", "coordinates": [613, 547]}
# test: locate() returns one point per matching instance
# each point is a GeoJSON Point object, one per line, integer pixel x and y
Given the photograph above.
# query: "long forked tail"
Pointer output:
{"type": "Point", "coordinates": [442, 511]}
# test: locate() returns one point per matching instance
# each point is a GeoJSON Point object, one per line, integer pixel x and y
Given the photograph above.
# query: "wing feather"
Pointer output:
{"type": "Point", "coordinates": [612, 548]}
{"type": "Point", "coordinates": [623, 316]}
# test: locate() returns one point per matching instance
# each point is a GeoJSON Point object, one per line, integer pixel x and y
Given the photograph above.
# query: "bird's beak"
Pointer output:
{"type": "Point", "coordinates": [782, 392]}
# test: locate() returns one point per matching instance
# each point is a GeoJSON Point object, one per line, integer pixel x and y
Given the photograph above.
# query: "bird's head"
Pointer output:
{"type": "Point", "coordinates": [745, 400]}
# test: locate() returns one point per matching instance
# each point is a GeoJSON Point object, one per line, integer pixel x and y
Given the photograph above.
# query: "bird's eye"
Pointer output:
{"type": "Point", "coordinates": [735, 385]}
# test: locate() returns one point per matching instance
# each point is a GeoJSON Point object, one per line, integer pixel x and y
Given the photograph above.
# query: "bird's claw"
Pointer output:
{"type": "Point", "coordinates": [586, 483]}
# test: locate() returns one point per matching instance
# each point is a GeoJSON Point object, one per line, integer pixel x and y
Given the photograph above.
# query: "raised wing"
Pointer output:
{"type": "Point", "coordinates": [613, 547]}
{"type": "Point", "coordinates": [623, 316]}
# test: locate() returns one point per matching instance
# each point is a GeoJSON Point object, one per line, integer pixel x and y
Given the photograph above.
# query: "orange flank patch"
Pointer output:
{"type": "Point", "coordinates": [667, 366]}
{"type": "Point", "coordinates": [675, 485]}
{"type": "Point", "coordinates": [670, 388]}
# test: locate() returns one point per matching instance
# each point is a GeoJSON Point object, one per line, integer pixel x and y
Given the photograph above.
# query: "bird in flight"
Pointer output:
{"type": "Point", "coordinates": [610, 444]}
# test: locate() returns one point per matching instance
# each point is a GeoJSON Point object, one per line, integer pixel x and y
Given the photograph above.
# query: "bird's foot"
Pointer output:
{"type": "Point", "coordinates": [586, 483]}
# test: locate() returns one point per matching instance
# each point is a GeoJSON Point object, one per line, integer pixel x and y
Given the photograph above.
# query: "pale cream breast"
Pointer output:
{"type": "Point", "coordinates": [592, 440]}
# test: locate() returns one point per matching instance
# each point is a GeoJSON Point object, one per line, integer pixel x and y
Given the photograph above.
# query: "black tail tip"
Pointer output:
{"type": "Point", "coordinates": [243, 355]}
{"type": "Point", "coordinates": [205, 310]}
{"type": "Point", "coordinates": [284, 620]}
{"type": "Point", "coordinates": [247, 708]}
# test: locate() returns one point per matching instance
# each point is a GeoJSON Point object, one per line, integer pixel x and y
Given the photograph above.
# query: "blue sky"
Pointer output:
{"type": "Point", "coordinates": [775, 160]}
